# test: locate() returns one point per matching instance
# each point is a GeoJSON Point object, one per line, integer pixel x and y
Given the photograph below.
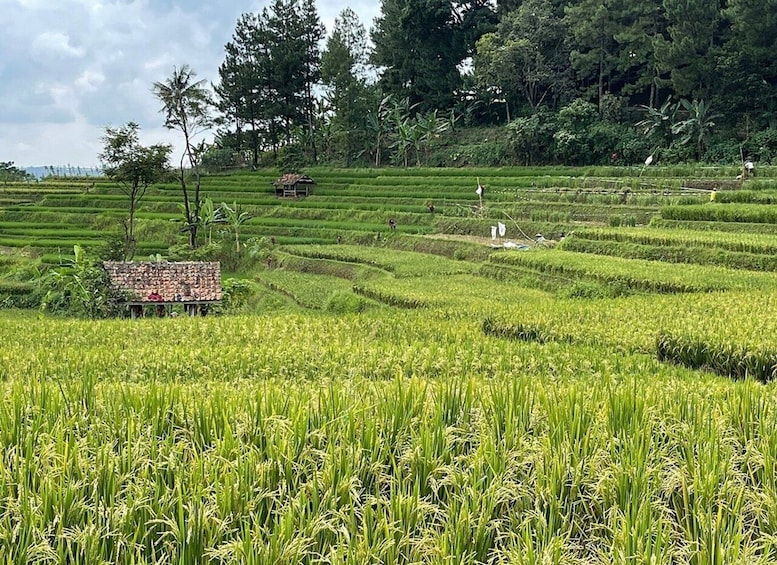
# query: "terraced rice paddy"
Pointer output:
{"type": "Point", "coordinates": [404, 398]}
{"type": "Point", "coordinates": [349, 204]}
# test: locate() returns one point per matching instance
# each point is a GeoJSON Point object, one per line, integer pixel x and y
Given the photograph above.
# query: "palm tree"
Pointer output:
{"type": "Point", "coordinates": [186, 105]}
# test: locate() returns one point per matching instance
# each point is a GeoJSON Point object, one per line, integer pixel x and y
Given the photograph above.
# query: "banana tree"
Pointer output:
{"type": "Point", "coordinates": [379, 125]}
{"type": "Point", "coordinates": [431, 126]}
{"type": "Point", "coordinates": [697, 125]}
{"type": "Point", "coordinates": [210, 216]}
{"type": "Point", "coordinates": [235, 217]}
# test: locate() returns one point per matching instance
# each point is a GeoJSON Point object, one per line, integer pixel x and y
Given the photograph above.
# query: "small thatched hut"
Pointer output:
{"type": "Point", "coordinates": [293, 185]}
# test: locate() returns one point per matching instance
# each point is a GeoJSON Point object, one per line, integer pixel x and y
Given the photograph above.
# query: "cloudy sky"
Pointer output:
{"type": "Point", "coordinates": [68, 68]}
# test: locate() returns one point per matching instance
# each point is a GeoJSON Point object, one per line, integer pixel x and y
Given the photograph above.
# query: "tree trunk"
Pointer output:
{"type": "Point", "coordinates": [254, 146]}
{"type": "Point", "coordinates": [186, 206]}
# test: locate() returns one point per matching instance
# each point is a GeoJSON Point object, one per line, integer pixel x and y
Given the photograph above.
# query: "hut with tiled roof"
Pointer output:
{"type": "Point", "coordinates": [293, 185]}
{"type": "Point", "coordinates": [192, 284]}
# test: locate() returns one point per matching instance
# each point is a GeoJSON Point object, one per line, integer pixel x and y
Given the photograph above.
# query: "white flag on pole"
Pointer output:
{"type": "Point", "coordinates": [502, 229]}
{"type": "Point", "coordinates": [493, 232]}
{"type": "Point", "coordinates": [479, 190]}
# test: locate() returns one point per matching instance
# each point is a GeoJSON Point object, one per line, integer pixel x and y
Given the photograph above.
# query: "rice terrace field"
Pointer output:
{"type": "Point", "coordinates": [409, 396]}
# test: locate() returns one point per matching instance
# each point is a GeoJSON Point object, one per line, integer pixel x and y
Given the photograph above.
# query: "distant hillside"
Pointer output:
{"type": "Point", "coordinates": [64, 171]}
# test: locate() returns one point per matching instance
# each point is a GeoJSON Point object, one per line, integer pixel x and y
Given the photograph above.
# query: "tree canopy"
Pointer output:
{"type": "Point", "coordinates": [288, 89]}
{"type": "Point", "coordinates": [134, 167]}
{"type": "Point", "coordinates": [10, 173]}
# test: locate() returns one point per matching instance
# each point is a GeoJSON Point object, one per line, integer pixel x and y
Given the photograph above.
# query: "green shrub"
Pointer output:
{"type": "Point", "coordinates": [531, 136]}
{"type": "Point", "coordinates": [345, 303]}
{"type": "Point", "coordinates": [291, 158]}
{"type": "Point", "coordinates": [723, 150]}
{"type": "Point", "coordinates": [79, 288]}
{"type": "Point", "coordinates": [183, 252]}
{"type": "Point", "coordinates": [762, 147]}
{"type": "Point", "coordinates": [235, 293]}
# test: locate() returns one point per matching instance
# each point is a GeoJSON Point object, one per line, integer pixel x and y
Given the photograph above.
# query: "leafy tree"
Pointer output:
{"type": "Point", "coordinates": [531, 136]}
{"type": "Point", "coordinates": [187, 105]}
{"type": "Point", "coordinates": [573, 136]}
{"type": "Point", "coordinates": [218, 157]}
{"type": "Point", "coordinates": [293, 33]}
{"type": "Point", "coordinates": [430, 126]}
{"type": "Point", "coordinates": [689, 53]}
{"type": "Point", "coordinates": [241, 92]}
{"type": "Point", "coordinates": [474, 19]}
{"type": "Point", "coordinates": [403, 141]}
{"type": "Point", "coordinates": [9, 173]}
{"type": "Point", "coordinates": [312, 32]}
{"type": "Point", "coordinates": [504, 7]}
{"type": "Point", "coordinates": [748, 61]}
{"type": "Point", "coordinates": [525, 61]}
{"type": "Point", "coordinates": [401, 129]}
{"type": "Point", "coordinates": [639, 25]}
{"type": "Point", "coordinates": [211, 216]}
{"type": "Point", "coordinates": [658, 123]}
{"type": "Point", "coordinates": [592, 45]}
{"type": "Point", "coordinates": [379, 125]}
{"type": "Point", "coordinates": [347, 96]}
{"type": "Point", "coordinates": [268, 77]}
{"type": "Point", "coordinates": [417, 50]}
{"type": "Point", "coordinates": [612, 48]}
{"type": "Point", "coordinates": [134, 167]}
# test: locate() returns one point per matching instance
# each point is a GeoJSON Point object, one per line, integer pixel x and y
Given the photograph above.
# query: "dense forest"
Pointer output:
{"type": "Point", "coordinates": [460, 82]}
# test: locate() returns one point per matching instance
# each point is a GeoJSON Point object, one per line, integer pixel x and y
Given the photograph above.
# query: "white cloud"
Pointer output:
{"type": "Point", "coordinates": [68, 68]}
{"type": "Point", "coordinates": [55, 44]}
{"type": "Point", "coordinates": [75, 142]}
{"type": "Point", "coordinates": [89, 81]}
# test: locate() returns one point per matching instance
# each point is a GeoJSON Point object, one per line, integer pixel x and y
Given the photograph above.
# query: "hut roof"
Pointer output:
{"type": "Point", "coordinates": [186, 281]}
{"type": "Point", "coordinates": [290, 179]}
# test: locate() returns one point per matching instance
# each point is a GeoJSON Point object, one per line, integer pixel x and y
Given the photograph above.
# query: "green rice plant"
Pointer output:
{"type": "Point", "coordinates": [673, 254]}
{"type": "Point", "coordinates": [747, 213]}
{"type": "Point", "coordinates": [742, 242]}
{"type": "Point", "coordinates": [649, 276]}
{"type": "Point", "coordinates": [324, 266]}
{"type": "Point", "coordinates": [428, 469]}
{"type": "Point", "coordinates": [391, 299]}
{"type": "Point", "coordinates": [520, 332]}
{"type": "Point", "coordinates": [307, 290]}
{"type": "Point", "coordinates": [430, 245]}
{"type": "Point", "coordinates": [738, 227]}
{"type": "Point", "coordinates": [398, 263]}
{"type": "Point", "coordinates": [402, 435]}
{"type": "Point", "coordinates": [726, 359]}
